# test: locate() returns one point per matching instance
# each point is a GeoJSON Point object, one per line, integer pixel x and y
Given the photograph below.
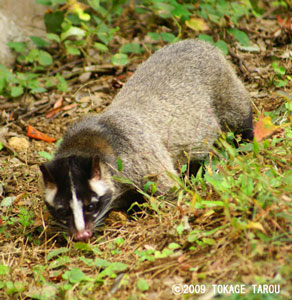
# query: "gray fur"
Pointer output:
{"type": "Point", "coordinates": [177, 101]}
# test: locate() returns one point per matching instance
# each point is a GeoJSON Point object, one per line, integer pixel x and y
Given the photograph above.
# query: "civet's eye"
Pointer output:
{"type": "Point", "coordinates": [92, 207]}
{"type": "Point", "coordinates": [63, 212]}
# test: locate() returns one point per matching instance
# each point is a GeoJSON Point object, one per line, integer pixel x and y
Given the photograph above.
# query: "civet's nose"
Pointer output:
{"type": "Point", "coordinates": [82, 235]}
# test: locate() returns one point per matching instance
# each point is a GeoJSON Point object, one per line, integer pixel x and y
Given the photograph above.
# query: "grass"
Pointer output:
{"type": "Point", "coordinates": [228, 225]}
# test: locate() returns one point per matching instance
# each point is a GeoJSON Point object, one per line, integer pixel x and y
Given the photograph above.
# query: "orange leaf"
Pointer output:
{"type": "Point", "coordinates": [35, 134]}
{"type": "Point", "coordinates": [286, 23]}
{"type": "Point", "coordinates": [52, 112]}
{"type": "Point", "coordinates": [59, 102]}
{"type": "Point", "coordinates": [56, 109]}
{"type": "Point", "coordinates": [264, 128]}
{"type": "Point", "coordinates": [70, 106]}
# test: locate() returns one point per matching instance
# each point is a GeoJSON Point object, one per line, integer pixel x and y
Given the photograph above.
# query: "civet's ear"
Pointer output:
{"type": "Point", "coordinates": [48, 177]}
{"type": "Point", "coordinates": [95, 168]}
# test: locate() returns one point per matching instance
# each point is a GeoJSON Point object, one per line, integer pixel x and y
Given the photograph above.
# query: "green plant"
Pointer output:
{"type": "Point", "coordinates": [16, 84]}
{"type": "Point", "coordinates": [216, 11]}
{"type": "Point", "coordinates": [281, 78]}
{"type": "Point", "coordinates": [151, 254]}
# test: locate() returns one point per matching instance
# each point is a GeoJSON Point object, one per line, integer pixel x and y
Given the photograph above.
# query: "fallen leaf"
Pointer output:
{"type": "Point", "coordinates": [264, 128]}
{"type": "Point", "coordinates": [36, 134]}
{"type": "Point", "coordinates": [57, 107]}
{"type": "Point", "coordinates": [40, 219]}
{"type": "Point", "coordinates": [182, 258]}
{"type": "Point", "coordinates": [58, 103]}
{"type": "Point", "coordinates": [286, 23]}
{"type": "Point", "coordinates": [255, 225]}
{"type": "Point", "coordinates": [52, 112]}
{"type": "Point", "coordinates": [197, 24]}
{"type": "Point", "coordinates": [185, 266]}
{"type": "Point", "coordinates": [70, 106]}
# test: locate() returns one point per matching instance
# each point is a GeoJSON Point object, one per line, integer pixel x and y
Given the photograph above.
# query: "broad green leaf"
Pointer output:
{"type": "Point", "coordinates": [95, 4]}
{"type": "Point", "coordinates": [57, 252]}
{"type": "Point", "coordinates": [83, 246]}
{"type": "Point", "coordinates": [72, 50]}
{"type": "Point", "coordinates": [168, 37]}
{"type": "Point", "coordinates": [53, 21]}
{"type": "Point", "coordinates": [76, 276]}
{"type": "Point", "coordinates": [42, 292]}
{"type": "Point", "coordinates": [17, 46]}
{"type": "Point", "coordinates": [278, 69]}
{"type": "Point", "coordinates": [7, 201]}
{"type": "Point", "coordinates": [45, 58]}
{"type": "Point", "coordinates": [222, 46]}
{"type": "Point", "coordinates": [4, 270]}
{"type": "Point", "coordinates": [241, 36]}
{"type": "Point", "coordinates": [38, 90]}
{"type": "Point", "coordinates": [154, 36]}
{"type": "Point", "coordinates": [120, 59]}
{"type": "Point", "coordinates": [119, 241]}
{"type": "Point", "coordinates": [131, 48]}
{"type": "Point", "coordinates": [14, 287]}
{"type": "Point", "coordinates": [164, 253]}
{"type": "Point", "coordinates": [163, 9]}
{"type": "Point", "coordinates": [174, 246]}
{"type": "Point", "coordinates": [62, 86]}
{"type": "Point", "coordinates": [88, 261]}
{"type": "Point", "coordinates": [63, 260]}
{"type": "Point", "coordinates": [209, 241]}
{"type": "Point", "coordinates": [73, 31]}
{"type": "Point", "coordinates": [183, 168]}
{"type": "Point", "coordinates": [180, 228]}
{"type": "Point", "coordinates": [206, 38]}
{"type": "Point", "coordinates": [39, 42]}
{"type": "Point", "coordinates": [101, 263]}
{"type": "Point", "coordinates": [193, 236]}
{"type": "Point", "coordinates": [53, 37]}
{"type": "Point", "coordinates": [16, 91]}
{"type": "Point", "coordinates": [101, 47]}
{"type": "Point", "coordinates": [118, 266]}
{"type": "Point", "coordinates": [142, 285]}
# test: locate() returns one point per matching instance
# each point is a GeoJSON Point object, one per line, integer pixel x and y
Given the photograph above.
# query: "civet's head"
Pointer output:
{"type": "Point", "coordinates": [76, 195]}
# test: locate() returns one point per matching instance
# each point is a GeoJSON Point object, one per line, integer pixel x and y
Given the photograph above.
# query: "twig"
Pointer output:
{"type": "Point", "coordinates": [65, 66]}
{"type": "Point", "coordinates": [36, 110]}
{"type": "Point", "coordinates": [240, 64]}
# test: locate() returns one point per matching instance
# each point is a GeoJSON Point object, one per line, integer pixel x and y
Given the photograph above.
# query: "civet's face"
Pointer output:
{"type": "Point", "coordinates": [76, 195]}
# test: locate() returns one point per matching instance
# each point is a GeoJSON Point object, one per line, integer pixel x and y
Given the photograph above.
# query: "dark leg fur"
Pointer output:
{"type": "Point", "coordinates": [247, 131]}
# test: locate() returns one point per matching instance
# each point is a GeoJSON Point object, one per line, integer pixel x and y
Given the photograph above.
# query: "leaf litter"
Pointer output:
{"type": "Point", "coordinates": [177, 243]}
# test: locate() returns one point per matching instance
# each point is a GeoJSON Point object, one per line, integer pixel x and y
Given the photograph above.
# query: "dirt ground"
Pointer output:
{"type": "Point", "coordinates": [20, 177]}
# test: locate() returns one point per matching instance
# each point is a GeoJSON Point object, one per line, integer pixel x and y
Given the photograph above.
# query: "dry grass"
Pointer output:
{"type": "Point", "coordinates": [231, 225]}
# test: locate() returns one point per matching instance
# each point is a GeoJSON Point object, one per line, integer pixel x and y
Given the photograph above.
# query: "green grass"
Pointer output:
{"type": "Point", "coordinates": [228, 225]}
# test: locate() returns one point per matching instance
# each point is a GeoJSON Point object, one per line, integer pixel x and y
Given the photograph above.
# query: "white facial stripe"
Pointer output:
{"type": "Point", "coordinates": [50, 195]}
{"type": "Point", "coordinates": [77, 208]}
{"type": "Point", "coordinates": [98, 186]}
